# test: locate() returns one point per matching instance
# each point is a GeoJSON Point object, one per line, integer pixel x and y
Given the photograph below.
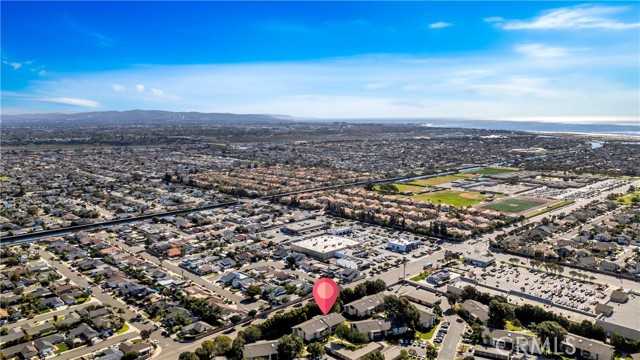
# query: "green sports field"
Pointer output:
{"type": "Point", "coordinates": [513, 205]}
{"type": "Point", "coordinates": [441, 179]}
{"type": "Point", "coordinates": [451, 197]}
{"type": "Point", "coordinates": [493, 171]}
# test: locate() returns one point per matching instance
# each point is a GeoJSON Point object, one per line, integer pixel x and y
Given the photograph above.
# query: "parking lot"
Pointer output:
{"type": "Point", "coordinates": [560, 289]}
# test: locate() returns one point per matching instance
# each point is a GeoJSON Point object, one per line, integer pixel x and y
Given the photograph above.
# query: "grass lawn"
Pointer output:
{"type": "Point", "coordinates": [45, 311]}
{"type": "Point", "coordinates": [428, 335]}
{"type": "Point", "coordinates": [124, 328]}
{"type": "Point", "coordinates": [441, 179]}
{"type": "Point", "coordinates": [80, 300]}
{"type": "Point", "coordinates": [61, 348]}
{"type": "Point", "coordinates": [423, 275]}
{"type": "Point", "coordinates": [552, 207]}
{"type": "Point", "coordinates": [513, 205]}
{"type": "Point", "coordinates": [626, 199]}
{"type": "Point", "coordinates": [345, 343]}
{"type": "Point", "coordinates": [452, 197]}
{"type": "Point", "coordinates": [493, 171]}
{"type": "Point", "coordinates": [509, 326]}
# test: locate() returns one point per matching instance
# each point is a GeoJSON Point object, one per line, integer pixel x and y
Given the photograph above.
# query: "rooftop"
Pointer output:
{"type": "Point", "coordinates": [326, 243]}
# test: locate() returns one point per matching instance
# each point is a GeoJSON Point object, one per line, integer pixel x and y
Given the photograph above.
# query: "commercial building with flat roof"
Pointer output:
{"type": "Point", "coordinates": [402, 245]}
{"type": "Point", "coordinates": [323, 247]}
{"type": "Point", "coordinates": [623, 319]}
{"type": "Point", "coordinates": [301, 227]}
{"type": "Point", "coordinates": [481, 261]}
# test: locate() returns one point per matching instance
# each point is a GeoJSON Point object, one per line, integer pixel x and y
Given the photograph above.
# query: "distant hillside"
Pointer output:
{"type": "Point", "coordinates": [141, 117]}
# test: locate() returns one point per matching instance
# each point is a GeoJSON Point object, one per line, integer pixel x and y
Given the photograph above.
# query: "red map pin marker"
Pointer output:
{"type": "Point", "coordinates": [325, 291]}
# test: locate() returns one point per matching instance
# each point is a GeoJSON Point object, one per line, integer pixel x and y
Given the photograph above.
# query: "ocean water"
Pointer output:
{"type": "Point", "coordinates": [622, 129]}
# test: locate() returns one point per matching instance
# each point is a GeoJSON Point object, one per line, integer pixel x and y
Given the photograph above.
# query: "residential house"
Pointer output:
{"type": "Point", "coordinates": [195, 328]}
{"type": "Point", "coordinates": [143, 348]}
{"type": "Point", "coordinates": [588, 349]}
{"type": "Point", "coordinates": [318, 327]}
{"type": "Point", "coordinates": [265, 349]}
{"type": "Point", "coordinates": [377, 329]}
{"type": "Point", "coordinates": [475, 311]}
{"type": "Point", "coordinates": [366, 306]}
{"type": "Point", "coordinates": [82, 333]}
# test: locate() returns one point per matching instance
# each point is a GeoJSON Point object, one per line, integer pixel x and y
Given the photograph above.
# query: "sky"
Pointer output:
{"type": "Point", "coordinates": [507, 60]}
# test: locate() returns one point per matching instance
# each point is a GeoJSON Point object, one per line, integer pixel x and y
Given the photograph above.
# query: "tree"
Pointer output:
{"type": "Point", "coordinates": [431, 353]}
{"type": "Point", "coordinates": [402, 310]}
{"type": "Point", "coordinates": [404, 355]}
{"type": "Point", "coordinates": [289, 347]}
{"type": "Point", "coordinates": [388, 187]}
{"type": "Point", "coordinates": [209, 347]}
{"type": "Point", "coordinates": [374, 355]}
{"type": "Point", "coordinates": [202, 354]}
{"type": "Point", "coordinates": [252, 334]}
{"type": "Point", "coordinates": [369, 185]}
{"type": "Point", "coordinates": [132, 355]}
{"type": "Point", "coordinates": [4, 331]}
{"type": "Point", "coordinates": [235, 318]}
{"type": "Point", "coordinates": [452, 299]}
{"type": "Point", "coordinates": [315, 350]}
{"type": "Point", "coordinates": [342, 332]}
{"type": "Point", "coordinates": [145, 334]}
{"type": "Point", "coordinates": [499, 313]}
{"type": "Point", "coordinates": [188, 355]}
{"type": "Point", "coordinates": [552, 332]}
{"type": "Point", "coordinates": [254, 290]}
{"type": "Point", "coordinates": [221, 345]}
{"type": "Point", "coordinates": [437, 310]}
{"type": "Point", "coordinates": [253, 313]}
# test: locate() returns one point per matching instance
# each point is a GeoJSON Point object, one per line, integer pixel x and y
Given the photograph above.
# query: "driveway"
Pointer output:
{"type": "Point", "coordinates": [449, 346]}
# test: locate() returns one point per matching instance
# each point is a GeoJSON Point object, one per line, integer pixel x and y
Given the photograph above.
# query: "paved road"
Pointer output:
{"type": "Point", "coordinates": [106, 299]}
{"type": "Point", "coordinates": [202, 281]}
{"type": "Point", "coordinates": [96, 348]}
{"type": "Point", "coordinates": [39, 318]}
{"type": "Point", "coordinates": [452, 339]}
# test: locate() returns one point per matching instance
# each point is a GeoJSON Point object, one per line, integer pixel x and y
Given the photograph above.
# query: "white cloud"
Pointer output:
{"type": "Point", "coordinates": [540, 50]}
{"type": "Point", "coordinates": [42, 73]}
{"type": "Point", "coordinates": [517, 87]}
{"type": "Point", "coordinates": [14, 64]}
{"type": "Point", "coordinates": [505, 84]}
{"type": "Point", "coordinates": [71, 101]}
{"type": "Point", "coordinates": [118, 88]}
{"type": "Point", "coordinates": [573, 17]}
{"type": "Point", "coordinates": [439, 25]}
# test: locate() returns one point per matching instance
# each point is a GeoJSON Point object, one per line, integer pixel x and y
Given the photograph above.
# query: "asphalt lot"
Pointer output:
{"type": "Point", "coordinates": [556, 288]}
{"type": "Point", "coordinates": [449, 346]}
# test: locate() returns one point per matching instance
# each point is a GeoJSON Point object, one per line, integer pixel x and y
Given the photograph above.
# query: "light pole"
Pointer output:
{"type": "Point", "coordinates": [404, 275]}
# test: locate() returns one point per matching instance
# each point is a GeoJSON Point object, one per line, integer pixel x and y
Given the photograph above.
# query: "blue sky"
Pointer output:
{"type": "Point", "coordinates": [325, 59]}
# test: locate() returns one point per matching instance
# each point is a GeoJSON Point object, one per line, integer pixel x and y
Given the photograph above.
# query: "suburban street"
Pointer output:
{"type": "Point", "coordinates": [106, 299]}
